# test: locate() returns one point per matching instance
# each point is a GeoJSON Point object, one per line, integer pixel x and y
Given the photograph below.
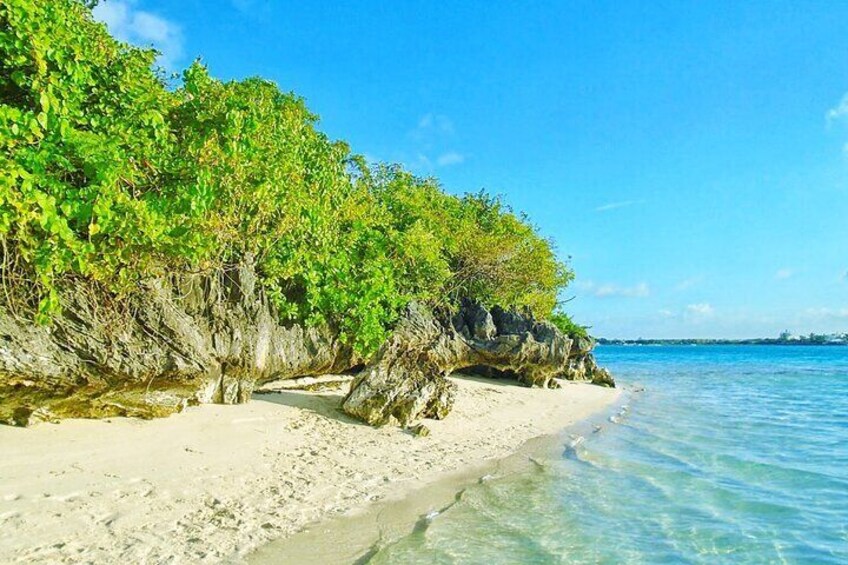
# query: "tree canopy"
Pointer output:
{"type": "Point", "coordinates": [108, 175]}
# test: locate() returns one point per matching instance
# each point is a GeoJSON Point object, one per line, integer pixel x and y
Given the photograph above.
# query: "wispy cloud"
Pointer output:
{"type": "Point", "coordinates": [433, 123]}
{"type": "Point", "coordinates": [450, 158]}
{"type": "Point", "coordinates": [616, 205]}
{"type": "Point", "coordinates": [783, 274]}
{"type": "Point", "coordinates": [839, 111]}
{"type": "Point", "coordinates": [822, 314]}
{"type": "Point", "coordinates": [640, 290]}
{"type": "Point", "coordinates": [431, 141]}
{"type": "Point", "coordinates": [700, 310]}
{"type": "Point", "coordinates": [132, 25]}
{"type": "Point", "coordinates": [666, 313]}
{"type": "Point", "coordinates": [422, 162]}
{"type": "Point", "coordinates": [689, 283]}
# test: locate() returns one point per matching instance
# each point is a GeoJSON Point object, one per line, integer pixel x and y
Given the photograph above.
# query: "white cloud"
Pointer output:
{"type": "Point", "coordinates": [821, 314]}
{"type": "Point", "coordinates": [422, 162]}
{"type": "Point", "coordinates": [640, 290]}
{"type": "Point", "coordinates": [132, 25]}
{"type": "Point", "coordinates": [783, 274]}
{"type": "Point", "coordinates": [688, 283]}
{"type": "Point", "coordinates": [436, 123]}
{"type": "Point", "coordinates": [839, 111]}
{"type": "Point", "coordinates": [702, 309]}
{"type": "Point", "coordinates": [616, 205]}
{"type": "Point", "coordinates": [450, 158]}
{"type": "Point", "coordinates": [584, 285]}
{"type": "Point", "coordinates": [430, 144]}
{"type": "Point", "coordinates": [666, 313]}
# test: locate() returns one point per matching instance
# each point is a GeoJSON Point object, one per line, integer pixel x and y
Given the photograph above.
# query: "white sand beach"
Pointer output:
{"type": "Point", "coordinates": [215, 482]}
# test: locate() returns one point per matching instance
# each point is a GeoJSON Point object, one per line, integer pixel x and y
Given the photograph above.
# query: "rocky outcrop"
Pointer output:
{"type": "Point", "coordinates": [215, 337]}
{"type": "Point", "coordinates": [407, 381]}
{"type": "Point", "coordinates": [582, 366]}
{"type": "Point", "coordinates": [194, 338]}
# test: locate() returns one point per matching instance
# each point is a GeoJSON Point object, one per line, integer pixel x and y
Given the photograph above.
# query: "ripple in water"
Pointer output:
{"type": "Point", "coordinates": [730, 455]}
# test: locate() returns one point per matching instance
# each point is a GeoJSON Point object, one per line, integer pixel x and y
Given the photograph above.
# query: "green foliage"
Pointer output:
{"type": "Point", "coordinates": [109, 175]}
{"type": "Point", "coordinates": [567, 326]}
{"type": "Point", "coordinates": [82, 134]}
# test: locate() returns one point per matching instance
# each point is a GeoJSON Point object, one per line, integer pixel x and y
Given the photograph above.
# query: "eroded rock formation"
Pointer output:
{"type": "Point", "coordinates": [204, 338]}
{"type": "Point", "coordinates": [582, 366]}
{"type": "Point", "coordinates": [406, 381]}
{"type": "Point", "coordinates": [213, 338]}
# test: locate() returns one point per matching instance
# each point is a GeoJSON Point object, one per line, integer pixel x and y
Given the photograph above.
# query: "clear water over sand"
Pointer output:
{"type": "Point", "coordinates": [729, 455]}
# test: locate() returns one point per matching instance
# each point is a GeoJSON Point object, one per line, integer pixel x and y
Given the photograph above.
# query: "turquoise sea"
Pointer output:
{"type": "Point", "coordinates": [730, 454]}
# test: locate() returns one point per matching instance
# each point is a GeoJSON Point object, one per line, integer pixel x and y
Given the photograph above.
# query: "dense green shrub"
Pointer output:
{"type": "Point", "coordinates": [108, 174]}
{"type": "Point", "coordinates": [567, 326]}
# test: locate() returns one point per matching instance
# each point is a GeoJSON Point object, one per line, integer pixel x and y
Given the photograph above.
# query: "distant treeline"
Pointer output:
{"type": "Point", "coordinates": [812, 339]}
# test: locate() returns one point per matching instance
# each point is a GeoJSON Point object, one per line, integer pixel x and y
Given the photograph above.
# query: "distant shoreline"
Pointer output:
{"type": "Point", "coordinates": [760, 341]}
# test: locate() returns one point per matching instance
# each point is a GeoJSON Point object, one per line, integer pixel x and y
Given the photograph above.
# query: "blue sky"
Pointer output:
{"type": "Point", "coordinates": [690, 158]}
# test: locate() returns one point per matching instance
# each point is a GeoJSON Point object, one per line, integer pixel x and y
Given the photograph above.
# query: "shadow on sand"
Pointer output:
{"type": "Point", "coordinates": [326, 404]}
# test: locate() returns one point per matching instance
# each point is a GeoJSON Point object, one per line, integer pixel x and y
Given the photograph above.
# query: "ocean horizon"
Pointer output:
{"type": "Point", "coordinates": [726, 454]}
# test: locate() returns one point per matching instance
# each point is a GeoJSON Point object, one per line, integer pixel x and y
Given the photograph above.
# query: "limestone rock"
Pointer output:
{"type": "Point", "coordinates": [582, 366]}
{"type": "Point", "coordinates": [180, 340]}
{"type": "Point", "coordinates": [479, 321]}
{"type": "Point", "coordinates": [406, 381]}
{"type": "Point", "coordinates": [420, 430]}
{"type": "Point", "coordinates": [215, 337]}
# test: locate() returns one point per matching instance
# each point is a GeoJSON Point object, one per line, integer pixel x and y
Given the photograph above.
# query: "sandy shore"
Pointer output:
{"type": "Point", "coordinates": [216, 482]}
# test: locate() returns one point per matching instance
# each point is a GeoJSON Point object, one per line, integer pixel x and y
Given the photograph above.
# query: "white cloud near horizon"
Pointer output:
{"type": "Point", "coordinates": [783, 274]}
{"type": "Point", "coordinates": [144, 29]}
{"type": "Point", "coordinates": [702, 309]}
{"type": "Point", "coordinates": [825, 314]}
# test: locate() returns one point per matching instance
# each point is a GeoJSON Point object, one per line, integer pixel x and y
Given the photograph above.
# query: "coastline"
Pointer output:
{"type": "Point", "coordinates": [218, 482]}
{"type": "Point", "coordinates": [365, 531]}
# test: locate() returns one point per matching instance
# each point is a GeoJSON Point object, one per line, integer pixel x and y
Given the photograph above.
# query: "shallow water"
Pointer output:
{"type": "Point", "coordinates": [730, 454]}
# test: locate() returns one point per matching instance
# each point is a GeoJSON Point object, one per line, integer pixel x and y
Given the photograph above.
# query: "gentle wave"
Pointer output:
{"type": "Point", "coordinates": [730, 455]}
